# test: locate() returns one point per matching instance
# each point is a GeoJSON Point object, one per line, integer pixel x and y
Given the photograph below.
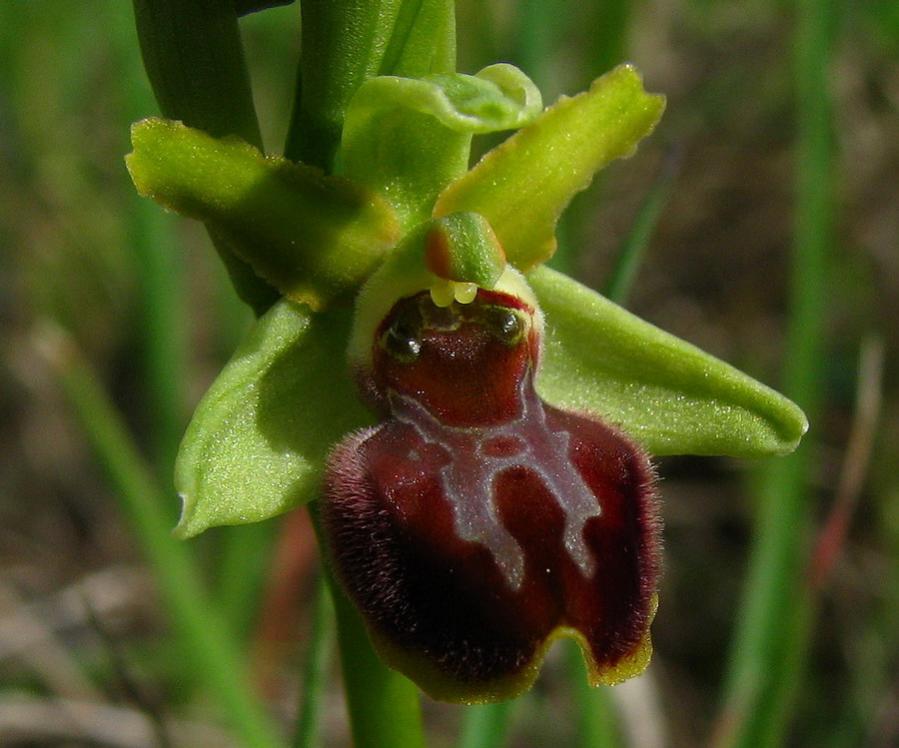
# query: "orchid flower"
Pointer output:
{"type": "Point", "coordinates": [475, 425]}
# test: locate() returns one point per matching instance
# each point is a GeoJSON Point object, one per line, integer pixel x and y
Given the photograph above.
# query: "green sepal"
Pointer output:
{"type": "Point", "coordinates": [258, 441]}
{"type": "Point", "coordinates": [663, 392]}
{"type": "Point", "coordinates": [314, 237]}
{"type": "Point", "coordinates": [408, 138]}
{"type": "Point", "coordinates": [523, 185]}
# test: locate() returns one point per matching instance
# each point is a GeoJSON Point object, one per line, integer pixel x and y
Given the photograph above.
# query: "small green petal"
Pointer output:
{"type": "Point", "coordinates": [524, 184]}
{"type": "Point", "coordinates": [259, 438]}
{"type": "Point", "coordinates": [665, 393]}
{"type": "Point", "coordinates": [408, 138]}
{"type": "Point", "coordinates": [313, 237]}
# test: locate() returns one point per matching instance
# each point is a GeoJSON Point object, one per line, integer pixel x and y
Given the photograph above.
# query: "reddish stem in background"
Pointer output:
{"type": "Point", "coordinates": [832, 537]}
{"type": "Point", "coordinates": [283, 613]}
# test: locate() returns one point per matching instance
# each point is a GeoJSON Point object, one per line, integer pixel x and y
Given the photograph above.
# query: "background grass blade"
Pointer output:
{"type": "Point", "coordinates": [316, 668]}
{"type": "Point", "coordinates": [773, 628]}
{"type": "Point", "coordinates": [630, 255]}
{"type": "Point", "coordinates": [203, 636]}
{"type": "Point", "coordinates": [487, 725]}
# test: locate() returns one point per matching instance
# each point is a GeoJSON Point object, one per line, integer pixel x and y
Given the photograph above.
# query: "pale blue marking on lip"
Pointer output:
{"type": "Point", "coordinates": [468, 479]}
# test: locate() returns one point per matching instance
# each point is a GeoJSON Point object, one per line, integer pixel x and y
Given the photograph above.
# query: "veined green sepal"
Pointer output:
{"type": "Point", "coordinates": [523, 185]}
{"type": "Point", "coordinates": [257, 443]}
{"type": "Point", "coordinates": [314, 237]}
{"type": "Point", "coordinates": [666, 394]}
{"type": "Point", "coordinates": [407, 138]}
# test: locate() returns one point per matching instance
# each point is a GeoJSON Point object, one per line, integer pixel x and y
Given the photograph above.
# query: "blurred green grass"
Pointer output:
{"type": "Point", "coordinates": [144, 298]}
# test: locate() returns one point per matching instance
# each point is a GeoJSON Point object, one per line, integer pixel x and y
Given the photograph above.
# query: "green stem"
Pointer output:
{"type": "Point", "coordinates": [383, 705]}
{"type": "Point", "coordinates": [245, 554]}
{"type": "Point", "coordinates": [315, 671]}
{"type": "Point", "coordinates": [597, 724]}
{"type": "Point", "coordinates": [536, 37]}
{"type": "Point", "coordinates": [215, 659]}
{"type": "Point", "coordinates": [487, 725]}
{"type": "Point", "coordinates": [194, 58]}
{"type": "Point", "coordinates": [159, 271]}
{"type": "Point", "coordinates": [772, 638]}
{"type": "Point", "coordinates": [162, 330]}
{"type": "Point", "coordinates": [345, 42]}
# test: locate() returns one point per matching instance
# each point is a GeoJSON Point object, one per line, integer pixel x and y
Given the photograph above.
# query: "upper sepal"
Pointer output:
{"type": "Point", "coordinates": [666, 394]}
{"type": "Point", "coordinates": [257, 443]}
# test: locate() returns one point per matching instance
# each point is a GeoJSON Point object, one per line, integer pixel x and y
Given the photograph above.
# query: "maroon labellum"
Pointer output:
{"type": "Point", "coordinates": [477, 523]}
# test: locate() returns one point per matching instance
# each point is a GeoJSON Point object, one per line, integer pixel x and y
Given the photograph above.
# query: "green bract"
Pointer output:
{"type": "Point", "coordinates": [407, 215]}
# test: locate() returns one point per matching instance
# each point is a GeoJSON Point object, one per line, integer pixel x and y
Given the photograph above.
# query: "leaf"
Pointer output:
{"type": "Point", "coordinates": [257, 443]}
{"type": "Point", "coordinates": [315, 238]}
{"type": "Point", "coordinates": [523, 185]}
{"type": "Point", "coordinates": [665, 393]}
{"type": "Point", "coordinates": [407, 138]}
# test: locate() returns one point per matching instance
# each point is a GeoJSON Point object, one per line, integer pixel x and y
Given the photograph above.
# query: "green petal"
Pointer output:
{"type": "Point", "coordinates": [524, 184]}
{"type": "Point", "coordinates": [665, 393]}
{"type": "Point", "coordinates": [314, 238]}
{"type": "Point", "coordinates": [259, 438]}
{"type": "Point", "coordinates": [408, 138]}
